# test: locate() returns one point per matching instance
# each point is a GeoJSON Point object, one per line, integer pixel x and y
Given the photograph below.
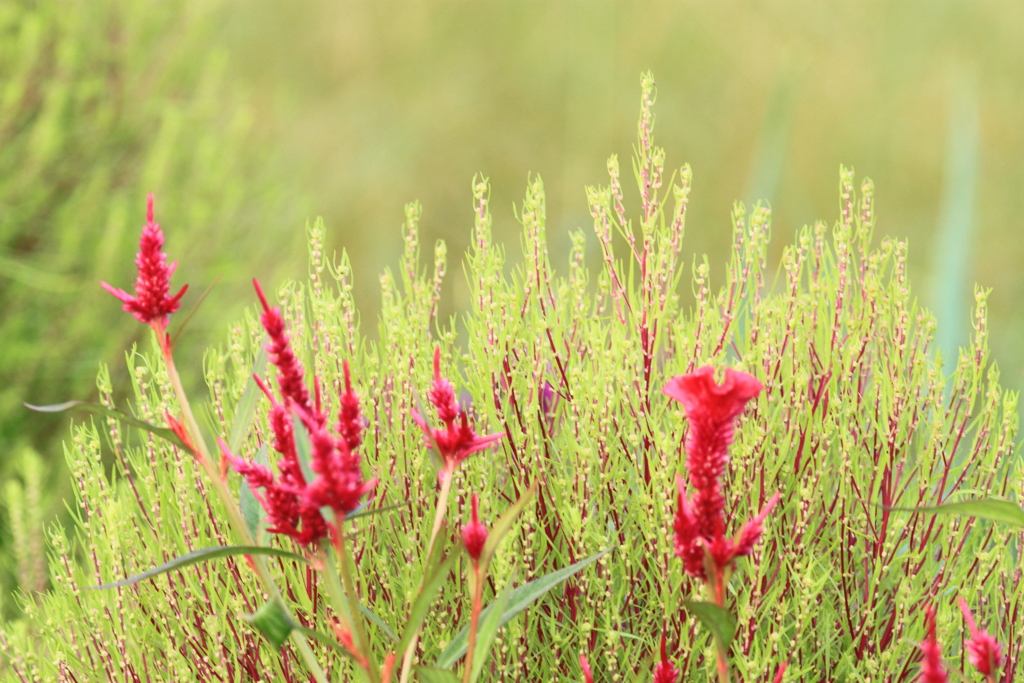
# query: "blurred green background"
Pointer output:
{"type": "Point", "coordinates": [248, 118]}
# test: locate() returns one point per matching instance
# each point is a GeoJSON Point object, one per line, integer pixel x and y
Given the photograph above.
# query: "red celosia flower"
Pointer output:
{"type": "Point", "coordinates": [781, 671]}
{"type": "Point", "coordinates": [588, 676]}
{"type": "Point", "coordinates": [932, 670]}
{"type": "Point", "coordinates": [711, 410]}
{"type": "Point", "coordinates": [292, 503]}
{"type": "Point", "coordinates": [290, 373]}
{"type": "Point", "coordinates": [474, 534]}
{"type": "Point", "coordinates": [982, 649]}
{"type": "Point", "coordinates": [350, 419]}
{"type": "Point", "coordinates": [665, 671]}
{"type": "Point", "coordinates": [151, 303]}
{"type": "Point", "coordinates": [457, 441]}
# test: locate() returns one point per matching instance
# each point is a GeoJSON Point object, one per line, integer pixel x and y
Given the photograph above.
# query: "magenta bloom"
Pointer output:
{"type": "Point", "coordinates": [457, 440]}
{"type": "Point", "coordinates": [474, 534]}
{"type": "Point", "coordinates": [711, 410]}
{"type": "Point", "coordinates": [152, 303]}
{"type": "Point", "coordinates": [665, 671]}
{"type": "Point", "coordinates": [292, 503]}
{"type": "Point", "coordinates": [982, 649]}
{"type": "Point", "coordinates": [932, 670]}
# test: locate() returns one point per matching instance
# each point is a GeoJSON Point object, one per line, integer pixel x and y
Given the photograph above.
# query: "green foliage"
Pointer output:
{"type": "Point", "coordinates": [102, 103]}
{"type": "Point", "coordinates": [857, 417]}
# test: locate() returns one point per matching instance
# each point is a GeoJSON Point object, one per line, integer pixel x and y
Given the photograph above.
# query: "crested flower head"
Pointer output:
{"type": "Point", "coordinates": [152, 303]}
{"type": "Point", "coordinates": [457, 440]}
{"type": "Point", "coordinates": [983, 650]}
{"type": "Point", "coordinates": [474, 534]}
{"type": "Point", "coordinates": [932, 670]}
{"type": "Point", "coordinates": [711, 410]}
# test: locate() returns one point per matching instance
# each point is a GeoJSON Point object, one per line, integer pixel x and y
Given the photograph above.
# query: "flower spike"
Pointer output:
{"type": "Point", "coordinates": [151, 303]}
{"type": "Point", "coordinates": [711, 410]}
{"type": "Point", "coordinates": [474, 534]}
{"type": "Point", "coordinates": [982, 649]}
{"type": "Point", "coordinates": [932, 670]}
{"type": "Point", "coordinates": [457, 440]}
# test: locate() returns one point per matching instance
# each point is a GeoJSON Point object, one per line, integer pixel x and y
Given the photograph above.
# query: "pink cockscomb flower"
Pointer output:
{"type": "Point", "coordinates": [293, 503]}
{"type": "Point", "coordinates": [711, 410]}
{"type": "Point", "coordinates": [152, 303]}
{"type": "Point", "coordinates": [932, 670]}
{"type": "Point", "coordinates": [665, 671]}
{"type": "Point", "coordinates": [983, 650]}
{"type": "Point", "coordinates": [474, 533]}
{"type": "Point", "coordinates": [457, 440]}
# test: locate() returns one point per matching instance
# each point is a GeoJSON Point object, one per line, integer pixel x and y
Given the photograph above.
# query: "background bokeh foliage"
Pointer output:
{"type": "Point", "coordinates": [245, 118]}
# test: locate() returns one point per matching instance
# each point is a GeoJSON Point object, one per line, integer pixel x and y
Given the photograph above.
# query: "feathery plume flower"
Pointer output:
{"type": "Point", "coordinates": [983, 650]}
{"type": "Point", "coordinates": [457, 440]}
{"type": "Point", "coordinates": [292, 503]}
{"type": "Point", "coordinates": [711, 410]}
{"type": "Point", "coordinates": [289, 369]}
{"type": "Point", "coordinates": [474, 533]}
{"type": "Point", "coordinates": [151, 303]}
{"type": "Point", "coordinates": [932, 670]}
{"type": "Point", "coordinates": [665, 671]}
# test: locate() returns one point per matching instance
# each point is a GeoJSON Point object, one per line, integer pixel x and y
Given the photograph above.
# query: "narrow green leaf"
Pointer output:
{"type": "Point", "coordinates": [202, 555]}
{"type": "Point", "coordinates": [519, 599]}
{"type": "Point", "coordinates": [252, 511]}
{"type": "Point", "coordinates": [504, 524]}
{"type": "Point", "coordinates": [323, 639]}
{"type": "Point", "coordinates": [994, 509]}
{"type": "Point", "coordinates": [428, 589]}
{"type": "Point", "coordinates": [488, 629]}
{"type": "Point", "coordinates": [378, 622]}
{"type": "Point", "coordinates": [273, 622]}
{"type": "Point", "coordinates": [361, 511]}
{"type": "Point", "coordinates": [426, 674]}
{"type": "Point", "coordinates": [247, 404]}
{"type": "Point", "coordinates": [161, 432]}
{"type": "Point", "coordinates": [303, 448]}
{"type": "Point", "coordinates": [718, 620]}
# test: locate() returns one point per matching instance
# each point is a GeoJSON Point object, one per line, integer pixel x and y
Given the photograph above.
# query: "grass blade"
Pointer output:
{"type": "Point", "coordinates": [993, 509]}
{"type": "Point", "coordinates": [247, 404]}
{"type": "Point", "coordinates": [202, 555]}
{"type": "Point", "coordinates": [161, 432]}
{"type": "Point", "coordinates": [519, 599]}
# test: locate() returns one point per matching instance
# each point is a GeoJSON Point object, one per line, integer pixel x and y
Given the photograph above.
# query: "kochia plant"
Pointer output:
{"type": "Point", "coordinates": [853, 421]}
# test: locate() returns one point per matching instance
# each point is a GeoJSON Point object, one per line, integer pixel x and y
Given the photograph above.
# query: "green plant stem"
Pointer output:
{"type": "Point", "coordinates": [442, 506]}
{"type": "Point", "coordinates": [353, 606]}
{"type": "Point", "coordinates": [716, 584]}
{"type": "Point", "coordinates": [234, 512]}
{"type": "Point", "coordinates": [474, 619]}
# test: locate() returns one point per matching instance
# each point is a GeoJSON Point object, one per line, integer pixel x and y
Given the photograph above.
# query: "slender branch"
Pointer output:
{"type": "Point", "coordinates": [442, 505]}
{"type": "Point", "coordinates": [233, 510]}
{"type": "Point", "coordinates": [474, 620]}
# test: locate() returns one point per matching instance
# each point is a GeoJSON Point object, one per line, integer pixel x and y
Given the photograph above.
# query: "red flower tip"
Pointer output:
{"type": "Point", "coordinates": [350, 418]}
{"type": "Point", "coordinates": [932, 670]}
{"type": "Point", "coordinates": [982, 649]}
{"type": "Point", "coordinates": [588, 676]}
{"type": "Point", "coordinates": [780, 671]}
{"type": "Point", "coordinates": [290, 374]}
{"type": "Point", "coordinates": [152, 303]}
{"type": "Point", "coordinates": [474, 534]}
{"type": "Point", "coordinates": [665, 671]}
{"type": "Point", "coordinates": [457, 440]}
{"type": "Point", "coordinates": [752, 530]}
